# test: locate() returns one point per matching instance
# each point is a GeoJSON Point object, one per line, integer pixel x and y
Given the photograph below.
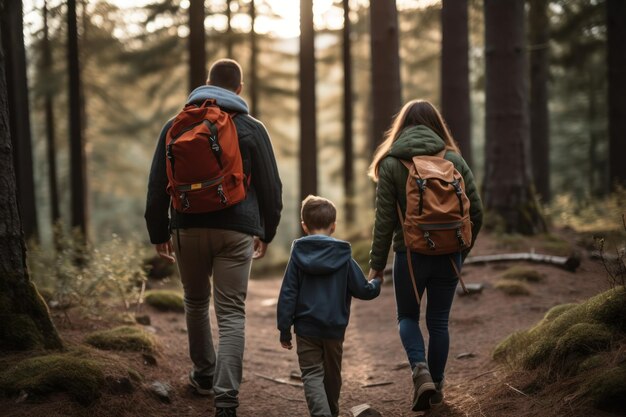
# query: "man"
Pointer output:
{"type": "Point", "coordinates": [220, 244]}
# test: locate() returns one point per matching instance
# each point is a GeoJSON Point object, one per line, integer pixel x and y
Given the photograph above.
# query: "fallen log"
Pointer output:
{"type": "Point", "coordinates": [569, 263]}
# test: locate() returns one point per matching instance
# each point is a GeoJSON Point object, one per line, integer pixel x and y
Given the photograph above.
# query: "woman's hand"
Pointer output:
{"type": "Point", "coordinates": [376, 274]}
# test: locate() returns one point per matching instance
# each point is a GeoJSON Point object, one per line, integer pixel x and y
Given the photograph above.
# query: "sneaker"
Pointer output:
{"type": "Point", "coordinates": [437, 398]}
{"type": "Point", "coordinates": [202, 385]}
{"type": "Point", "coordinates": [424, 387]}
{"type": "Point", "coordinates": [225, 412]}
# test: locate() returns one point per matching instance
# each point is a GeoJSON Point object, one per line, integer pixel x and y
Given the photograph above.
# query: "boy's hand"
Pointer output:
{"type": "Point", "coordinates": [286, 345]}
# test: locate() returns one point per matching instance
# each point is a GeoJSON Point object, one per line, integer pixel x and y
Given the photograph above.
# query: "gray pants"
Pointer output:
{"type": "Point", "coordinates": [320, 364]}
{"type": "Point", "coordinates": [226, 255]}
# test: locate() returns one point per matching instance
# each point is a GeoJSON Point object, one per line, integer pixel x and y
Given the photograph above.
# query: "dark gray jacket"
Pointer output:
{"type": "Point", "coordinates": [257, 215]}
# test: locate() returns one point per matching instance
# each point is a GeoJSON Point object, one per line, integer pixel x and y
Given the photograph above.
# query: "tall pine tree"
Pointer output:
{"type": "Point", "coordinates": [616, 63]}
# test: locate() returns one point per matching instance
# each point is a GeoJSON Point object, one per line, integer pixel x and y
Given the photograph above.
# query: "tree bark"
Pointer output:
{"type": "Point", "coordinates": [19, 113]}
{"type": "Point", "coordinates": [308, 132]}
{"type": "Point", "coordinates": [55, 212]}
{"type": "Point", "coordinates": [24, 318]}
{"type": "Point", "coordinates": [539, 116]}
{"type": "Point", "coordinates": [508, 184]}
{"type": "Point", "coordinates": [455, 91]}
{"type": "Point", "coordinates": [197, 49]}
{"type": "Point", "coordinates": [616, 64]}
{"type": "Point", "coordinates": [78, 170]}
{"type": "Point", "coordinates": [229, 31]}
{"type": "Point", "coordinates": [348, 151]}
{"type": "Point", "coordinates": [386, 89]}
{"type": "Point", "coordinates": [254, 91]}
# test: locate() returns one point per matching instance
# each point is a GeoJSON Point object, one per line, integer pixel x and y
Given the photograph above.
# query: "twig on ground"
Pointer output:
{"type": "Point", "coordinates": [516, 390]}
{"type": "Point", "coordinates": [279, 380]}
{"type": "Point", "coordinates": [377, 384]}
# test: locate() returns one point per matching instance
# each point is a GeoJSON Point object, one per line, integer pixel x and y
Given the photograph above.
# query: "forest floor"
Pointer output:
{"type": "Point", "coordinates": [373, 354]}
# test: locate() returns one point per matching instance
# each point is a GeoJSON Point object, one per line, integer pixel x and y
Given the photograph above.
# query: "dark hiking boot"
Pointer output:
{"type": "Point", "coordinates": [437, 397]}
{"type": "Point", "coordinates": [225, 412]}
{"type": "Point", "coordinates": [424, 387]}
{"type": "Point", "coordinates": [202, 385]}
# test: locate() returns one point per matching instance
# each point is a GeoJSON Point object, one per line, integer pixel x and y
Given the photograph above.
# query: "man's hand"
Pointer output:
{"type": "Point", "coordinates": [166, 251]}
{"type": "Point", "coordinates": [259, 248]}
{"type": "Point", "coordinates": [376, 274]}
{"type": "Point", "coordinates": [286, 345]}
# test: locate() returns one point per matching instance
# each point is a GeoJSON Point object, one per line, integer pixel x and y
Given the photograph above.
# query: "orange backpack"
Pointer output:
{"type": "Point", "coordinates": [204, 166]}
{"type": "Point", "coordinates": [437, 218]}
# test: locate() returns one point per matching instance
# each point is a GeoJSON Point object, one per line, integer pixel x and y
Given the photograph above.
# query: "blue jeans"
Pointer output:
{"type": "Point", "coordinates": [436, 275]}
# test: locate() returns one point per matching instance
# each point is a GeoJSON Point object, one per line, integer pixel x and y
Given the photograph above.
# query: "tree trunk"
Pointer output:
{"type": "Point", "coordinates": [55, 212]}
{"type": "Point", "coordinates": [229, 31]}
{"type": "Point", "coordinates": [386, 90]}
{"type": "Point", "coordinates": [78, 171]}
{"type": "Point", "coordinates": [308, 133]}
{"type": "Point", "coordinates": [197, 50]}
{"type": "Point", "coordinates": [455, 91]}
{"type": "Point", "coordinates": [19, 113]}
{"type": "Point", "coordinates": [616, 63]}
{"type": "Point", "coordinates": [507, 184]}
{"type": "Point", "coordinates": [24, 318]}
{"type": "Point", "coordinates": [254, 91]}
{"type": "Point", "coordinates": [348, 151]}
{"type": "Point", "coordinates": [539, 75]}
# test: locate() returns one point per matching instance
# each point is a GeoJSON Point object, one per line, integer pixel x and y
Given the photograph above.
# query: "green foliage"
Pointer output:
{"type": "Point", "coordinates": [512, 287]}
{"type": "Point", "coordinates": [361, 253]}
{"type": "Point", "coordinates": [125, 338]}
{"type": "Point", "coordinates": [82, 378]}
{"type": "Point", "coordinates": [90, 277]}
{"type": "Point", "coordinates": [165, 300]}
{"type": "Point", "coordinates": [520, 273]}
{"type": "Point", "coordinates": [568, 334]}
{"type": "Point", "coordinates": [588, 214]}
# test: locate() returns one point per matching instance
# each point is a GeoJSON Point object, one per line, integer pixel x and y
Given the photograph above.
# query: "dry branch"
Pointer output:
{"type": "Point", "coordinates": [570, 263]}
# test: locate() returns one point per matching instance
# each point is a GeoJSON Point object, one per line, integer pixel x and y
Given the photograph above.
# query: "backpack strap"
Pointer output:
{"type": "Point", "coordinates": [458, 275]}
{"type": "Point", "coordinates": [408, 256]}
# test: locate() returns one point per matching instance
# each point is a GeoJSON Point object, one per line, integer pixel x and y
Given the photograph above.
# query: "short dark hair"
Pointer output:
{"type": "Point", "coordinates": [225, 73]}
{"type": "Point", "coordinates": [318, 212]}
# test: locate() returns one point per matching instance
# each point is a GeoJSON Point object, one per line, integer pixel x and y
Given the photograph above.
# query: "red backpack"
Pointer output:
{"type": "Point", "coordinates": [203, 161]}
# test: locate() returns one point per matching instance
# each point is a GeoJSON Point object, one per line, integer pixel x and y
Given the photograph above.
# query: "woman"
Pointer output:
{"type": "Point", "coordinates": [418, 129]}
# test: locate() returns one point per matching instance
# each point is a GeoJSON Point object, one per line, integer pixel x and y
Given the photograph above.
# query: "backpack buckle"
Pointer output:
{"type": "Point", "coordinates": [220, 193]}
{"type": "Point", "coordinates": [429, 241]}
{"type": "Point", "coordinates": [459, 236]}
{"type": "Point", "coordinates": [185, 201]}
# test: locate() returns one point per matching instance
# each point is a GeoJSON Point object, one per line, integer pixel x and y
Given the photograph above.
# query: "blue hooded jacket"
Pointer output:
{"type": "Point", "coordinates": [318, 286]}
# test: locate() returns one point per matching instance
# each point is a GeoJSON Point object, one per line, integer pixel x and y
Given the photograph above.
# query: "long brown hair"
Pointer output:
{"type": "Point", "coordinates": [413, 113]}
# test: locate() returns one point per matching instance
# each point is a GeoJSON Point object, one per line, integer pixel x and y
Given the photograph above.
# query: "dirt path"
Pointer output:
{"type": "Point", "coordinates": [372, 353]}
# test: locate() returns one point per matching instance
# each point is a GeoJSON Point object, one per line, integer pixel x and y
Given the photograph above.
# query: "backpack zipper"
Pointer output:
{"type": "Point", "coordinates": [440, 226]}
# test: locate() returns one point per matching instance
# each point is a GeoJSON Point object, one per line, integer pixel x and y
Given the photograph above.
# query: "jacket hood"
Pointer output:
{"type": "Point", "coordinates": [226, 99]}
{"type": "Point", "coordinates": [416, 140]}
{"type": "Point", "coordinates": [320, 254]}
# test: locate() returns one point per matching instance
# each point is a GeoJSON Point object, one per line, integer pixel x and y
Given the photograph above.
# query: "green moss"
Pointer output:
{"type": "Point", "coordinates": [591, 363]}
{"type": "Point", "coordinates": [512, 287]}
{"type": "Point", "coordinates": [82, 378]}
{"type": "Point", "coordinates": [609, 308]}
{"type": "Point", "coordinates": [522, 274]}
{"type": "Point", "coordinates": [557, 310]}
{"type": "Point", "coordinates": [582, 339]}
{"type": "Point", "coordinates": [126, 338]}
{"type": "Point", "coordinates": [511, 347]}
{"type": "Point", "coordinates": [607, 390]}
{"type": "Point", "coordinates": [537, 353]}
{"type": "Point", "coordinates": [19, 332]}
{"type": "Point", "coordinates": [165, 300]}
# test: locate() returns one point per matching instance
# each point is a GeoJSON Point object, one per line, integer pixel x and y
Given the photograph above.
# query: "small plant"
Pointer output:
{"type": "Point", "coordinates": [615, 265]}
{"type": "Point", "coordinates": [512, 287]}
{"type": "Point", "coordinates": [165, 300]}
{"type": "Point", "coordinates": [519, 273]}
{"type": "Point", "coordinates": [79, 275]}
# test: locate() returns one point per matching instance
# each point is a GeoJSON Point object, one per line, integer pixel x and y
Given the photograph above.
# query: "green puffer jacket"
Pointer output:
{"type": "Point", "coordinates": [392, 176]}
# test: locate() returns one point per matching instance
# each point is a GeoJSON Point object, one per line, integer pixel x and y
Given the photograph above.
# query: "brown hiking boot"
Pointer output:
{"type": "Point", "coordinates": [424, 387]}
{"type": "Point", "coordinates": [437, 398]}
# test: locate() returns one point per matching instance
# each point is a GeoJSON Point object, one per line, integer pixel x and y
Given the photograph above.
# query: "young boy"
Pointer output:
{"type": "Point", "coordinates": [319, 283]}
